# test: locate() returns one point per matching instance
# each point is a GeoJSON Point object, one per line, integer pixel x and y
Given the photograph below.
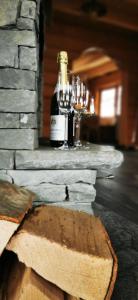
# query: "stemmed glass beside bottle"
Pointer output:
{"type": "Point", "coordinates": [80, 101]}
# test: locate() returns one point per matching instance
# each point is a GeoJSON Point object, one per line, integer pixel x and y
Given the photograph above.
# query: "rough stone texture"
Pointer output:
{"type": "Point", "coordinates": [25, 23]}
{"type": "Point", "coordinates": [28, 58]}
{"type": "Point", "coordinates": [28, 9]}
{"type": "Point", "coordinates": [93, 158]}
{"type": "Point", "coordinates": [59, 177]}
{"type": "Point", "coordinates": [48, 192]}
{"type": "Point", "coordinates": [5, 177]}
{"type": "Point", "coordinates": [17, 38]}
{"type": "Point", "coordinates": [17, 79]}
{"type": "Point", "coordinates": [81, 192]}
{"type": "Point", "coordinates": [18, 101]}
{"type": "Point", "coordinates": [8, 56]}
{"type": "Point", "coordinates": [8, 12]}
{"type": "Point", "coordinates": [18, 139]}
{"type": "Point", "coordinates": [6, 159]}
{"type": "Point", "coordinates": [9, 120]}
{"type": "Point", "coordinates": [28, 121]}
{"type": "Point", "coordinates": [124, 237]}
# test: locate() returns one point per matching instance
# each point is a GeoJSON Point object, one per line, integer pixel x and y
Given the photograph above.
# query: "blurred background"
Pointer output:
{"type": "Point", "coordinates": [101, 38]}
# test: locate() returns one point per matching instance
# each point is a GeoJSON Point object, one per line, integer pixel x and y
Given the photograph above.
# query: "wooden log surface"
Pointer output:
{"type": "Point", "coordinates": [24, 284]}
{"type": "Point", "coordinates": [14, 203]}
{"type": "Point", "coordinates": [68, 248]}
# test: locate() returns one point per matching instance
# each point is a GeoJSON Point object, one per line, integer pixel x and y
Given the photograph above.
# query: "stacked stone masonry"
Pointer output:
{"type": "Point", "coordinates": [60, 177]}
{"type": "Point", "coordinates": [19, 70]}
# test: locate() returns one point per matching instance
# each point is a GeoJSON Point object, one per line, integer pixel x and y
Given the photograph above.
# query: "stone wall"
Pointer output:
{"type": "Point", "coordinates": [19, 72]}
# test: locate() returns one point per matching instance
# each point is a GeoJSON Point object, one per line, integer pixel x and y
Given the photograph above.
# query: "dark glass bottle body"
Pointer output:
{"type": "Point", "coordinates": [71, 128]}
{"type": "Point", "coordinates": [57, 130]}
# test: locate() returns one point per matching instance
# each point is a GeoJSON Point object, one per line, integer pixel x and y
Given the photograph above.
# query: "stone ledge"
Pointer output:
{"type": "Point", "coordinates": [58, 177]}
{"type": "Point", "coordinates": [96, 157]}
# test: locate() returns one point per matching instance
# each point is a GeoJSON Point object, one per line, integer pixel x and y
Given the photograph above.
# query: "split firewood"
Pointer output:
{"type": "Point", "coordinates": [68, 248]}
{"type": "Point", "coordinates": [69, 297]}
{"type": "Point", "coordinates": [24, 284]}
{"type": "Point", "coordinates": [14, 203]}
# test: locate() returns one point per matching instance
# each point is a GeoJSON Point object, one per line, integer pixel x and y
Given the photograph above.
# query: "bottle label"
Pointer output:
{"type": "Point", "coordinates": [57, 128]}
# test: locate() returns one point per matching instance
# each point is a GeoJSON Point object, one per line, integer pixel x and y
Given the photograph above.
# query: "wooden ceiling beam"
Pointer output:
{"type": "Point", "coordinates": [125, 16]}
{"type": "Point", "coordinates": [106, 68]}
{"type": "Point", "coordinates": [93, 64]}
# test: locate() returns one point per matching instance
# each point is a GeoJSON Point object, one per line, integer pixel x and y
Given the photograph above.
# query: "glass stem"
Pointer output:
{"type": "Point", "coordinates": [77, 130]}
{"type": "Point", "coordinates": [66, 131]}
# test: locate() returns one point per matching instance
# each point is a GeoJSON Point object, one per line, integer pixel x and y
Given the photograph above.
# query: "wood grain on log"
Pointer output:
{"type": "Point", "coordinates": [14, 203]}
{"type": "Point", "coordinates": [24, 284]}
{"type": "Point", "coordinates": [67, 248]}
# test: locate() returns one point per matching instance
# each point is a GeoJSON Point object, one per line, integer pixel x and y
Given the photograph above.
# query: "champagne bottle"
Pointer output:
{"type": "Point", "coordinates": [57, 128]}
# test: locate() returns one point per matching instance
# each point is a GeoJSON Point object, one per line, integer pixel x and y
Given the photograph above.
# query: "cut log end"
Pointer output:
{"type": "Point", "coordinates": [68, 248]}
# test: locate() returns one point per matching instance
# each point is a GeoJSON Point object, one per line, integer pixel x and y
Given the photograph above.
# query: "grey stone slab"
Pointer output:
{"type": "Point", "coordinates": [17, 38]}
{"type": "Point", "coordinates": [28, 9]}
{"type": "Point", "coordinates": [8, 56]}
{"type": "Point", "coordinates": [8, 12]}
{"type": "Point", "coordinates": [49, 158]}
{"type": "Point", "coordinates": [81, 192]}
{"type": "Point", "coordinates": [85, 207]}
{"type": "Point", "coordinates": [48, 193]}
{"type": "Point", "coordinates": [17, 79]}
{"type": "Point", "coordinates": [18, 139]}
{"type": "Point", "coordinates": [5, 177]}
{"type": "Point", "coordinates": [28, 121]}
{"type": "Point", "coordinates": [18, 101]}
{"type": "Point", "coordinates": [28, 58]}
{"type": "Point", "coordinates": [35, 177]}
{"type": "Point", "coordinates": [9, 120]}
{"type": "Point", "coordinates": [6, 159]}
{"type": "Point", "coordinates": [25, 23]}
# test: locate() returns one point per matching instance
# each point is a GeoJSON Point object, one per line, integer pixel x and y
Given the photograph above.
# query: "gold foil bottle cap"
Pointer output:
{"type": "Point", "coordinates": [62, 57]}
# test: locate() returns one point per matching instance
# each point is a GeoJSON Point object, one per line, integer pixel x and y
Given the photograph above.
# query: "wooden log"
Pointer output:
{"type": "Point", "coordinates": [70, 249]}
{"type": "Point", "coordinates": [24, 284]}
{"type": "Point", "coordinates": [14, 203]}
{"type": "Point", "coordinates": [69, 297]}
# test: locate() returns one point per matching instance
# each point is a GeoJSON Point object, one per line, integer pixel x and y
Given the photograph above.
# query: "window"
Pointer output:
{"type": "Point", "coordinates": [110, 102]}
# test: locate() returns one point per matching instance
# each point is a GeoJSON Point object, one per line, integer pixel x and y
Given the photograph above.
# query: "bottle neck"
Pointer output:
{"type": "Point", "coordinates": [63, 74]}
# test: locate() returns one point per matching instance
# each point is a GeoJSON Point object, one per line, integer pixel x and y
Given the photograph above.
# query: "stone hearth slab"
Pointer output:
{"type": "Point", "coordinates": [59, 177]}
{"type": "Point", "coordinates": [96, 157]}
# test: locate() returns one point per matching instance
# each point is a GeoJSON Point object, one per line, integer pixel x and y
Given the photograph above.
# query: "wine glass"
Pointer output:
{"type": "Point", "coordinates": [63, 98]}
{"type": "Point", "coordinates": [80, 99]}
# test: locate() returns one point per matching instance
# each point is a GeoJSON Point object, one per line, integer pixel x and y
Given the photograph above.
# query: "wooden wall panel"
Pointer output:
{"type": "Point", "coordinates": [73, 36]}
